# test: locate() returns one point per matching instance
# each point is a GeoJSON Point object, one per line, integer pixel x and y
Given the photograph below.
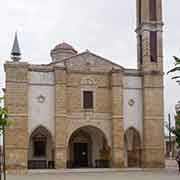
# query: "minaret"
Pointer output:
{"type": "Point", "coordinates": [150, 63]}
{"type": "Point", "coordinates": [15, 53]}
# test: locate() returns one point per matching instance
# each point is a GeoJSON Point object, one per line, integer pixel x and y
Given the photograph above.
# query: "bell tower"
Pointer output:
{"type": "Point", "coordinates": [150, 63]}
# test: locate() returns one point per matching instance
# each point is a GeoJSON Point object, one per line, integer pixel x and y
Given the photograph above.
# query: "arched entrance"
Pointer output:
{"type": "Point", "coordinates": [132, 144]}
{"type": "Point", "coordinates": [41, 149]}
{"type": "Point", "coordinates": [88, 148]}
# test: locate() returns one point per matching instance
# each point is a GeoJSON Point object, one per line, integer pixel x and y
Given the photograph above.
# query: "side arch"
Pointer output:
{"type": "Point", "coordinates": [132, 143]}
{"type": "Point", "coordinates": [41, 149]}
{"type": "Point", "coordinates": [37, 127]}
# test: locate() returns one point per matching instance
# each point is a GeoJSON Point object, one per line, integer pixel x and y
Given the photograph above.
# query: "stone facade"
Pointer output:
{"type": "Point", "coordinates": [126, 117]}
{"type": "Point", "coordinates": [16, 102]}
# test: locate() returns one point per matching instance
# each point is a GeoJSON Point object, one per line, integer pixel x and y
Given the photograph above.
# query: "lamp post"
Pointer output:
{"type": "Point", "coordinates": [170, 150]}
{"type": "Point", "coordinates": [4, 154]}
{"type": "Point", "coordinates": [0, 157]}
{"type": "Point", "coordinates": [3, 123]}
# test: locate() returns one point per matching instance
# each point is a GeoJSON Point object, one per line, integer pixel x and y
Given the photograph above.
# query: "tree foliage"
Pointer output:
{"type": "Point", "coordinates": [176, 130]}
{"type": "Point", "coordinates": [176, 70]}
{"type": "Point", "coordinates": [3, 114]}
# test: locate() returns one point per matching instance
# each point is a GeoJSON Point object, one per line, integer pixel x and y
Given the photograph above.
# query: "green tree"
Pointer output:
{"type": "Point", "coordinates": [4, 122]}
{"type": "Point", "coordinates": [3, 115]}
{"type": "Point", "coordinates": [176, 129]}
{"type": "Point", "coordinates": [176, 76]}
{"type": "Point", "coordinates": [176, 69]}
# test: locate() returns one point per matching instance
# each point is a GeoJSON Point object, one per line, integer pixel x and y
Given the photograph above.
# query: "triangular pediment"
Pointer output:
{"type": "Point", "coordinates": [89, 62]}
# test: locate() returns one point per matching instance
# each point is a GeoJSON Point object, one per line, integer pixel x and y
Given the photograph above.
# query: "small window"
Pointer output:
{"type": "Point", "coordinates": [153, 10]}
{"type": "Point", "coordinates": [140, 49]}
{"type": "Point", "coordinates": [87, 99]}
{"type": "Point", "coordinates": [153, 46]}
{"type": "Point", "coordinates": [140, 14]}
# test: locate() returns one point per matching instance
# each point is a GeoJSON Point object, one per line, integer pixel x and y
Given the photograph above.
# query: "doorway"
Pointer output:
{"type": "Point", "coordinates": [80, 155]}
{"type": "Point", "coordinates": [88, 148]}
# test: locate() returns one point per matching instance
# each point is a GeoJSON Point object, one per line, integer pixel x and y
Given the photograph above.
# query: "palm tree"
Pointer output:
{"type": "Point", "coordinates": [176, 129]}
{"type": "Point", "coordinates": [176, 69]}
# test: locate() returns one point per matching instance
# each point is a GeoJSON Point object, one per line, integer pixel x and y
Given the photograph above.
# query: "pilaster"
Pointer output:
{"type": "Point", "coordinates": [117, 119]}
{"type": "Point", "coordinates": [16, 100]}
{"type": "Point", "coordinates": [61, 117]}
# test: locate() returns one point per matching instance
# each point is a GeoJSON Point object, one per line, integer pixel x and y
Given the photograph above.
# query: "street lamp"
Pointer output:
{"type": "Point", "coordinates": [4, 154]}
{"type": "Point", "coordinates": [0, 157]}
{"type": "Point", "coordinates": [170, 150]}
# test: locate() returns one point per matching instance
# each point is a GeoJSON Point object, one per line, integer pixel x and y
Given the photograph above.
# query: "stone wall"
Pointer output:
{"type": "Point", "coordinates": [16, 103]}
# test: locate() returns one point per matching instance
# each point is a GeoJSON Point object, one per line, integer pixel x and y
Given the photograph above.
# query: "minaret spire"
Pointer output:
{"type": "Point", "coordinates": [15, 53]}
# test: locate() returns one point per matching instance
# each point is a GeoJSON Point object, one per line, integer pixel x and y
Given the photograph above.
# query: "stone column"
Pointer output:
{"type": "Point", "coordinates": [16, 100]}
{"type": "Point", "coordinates": [60, 119]}
{"type": "Point", "coordinates": [117, 119]}
{"type": "Point", "coordinates": [153, 122]}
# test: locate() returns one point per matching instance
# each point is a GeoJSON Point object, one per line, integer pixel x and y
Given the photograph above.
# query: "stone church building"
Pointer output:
{"type": "Point", "coordinates": [82, 110]}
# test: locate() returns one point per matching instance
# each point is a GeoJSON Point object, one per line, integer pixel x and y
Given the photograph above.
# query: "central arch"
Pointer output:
{"type": "Point", "coordinates": [88, 148]}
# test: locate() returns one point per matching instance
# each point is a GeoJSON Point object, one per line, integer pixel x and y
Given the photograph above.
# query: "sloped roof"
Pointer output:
{"type": "Point", "coordinates": [87, 53]}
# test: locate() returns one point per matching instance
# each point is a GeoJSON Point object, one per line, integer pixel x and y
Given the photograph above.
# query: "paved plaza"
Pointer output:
{"type": "Point", "coordinates": [164, 174]}
{"type": "Point", "coordinates": [168, 173]}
